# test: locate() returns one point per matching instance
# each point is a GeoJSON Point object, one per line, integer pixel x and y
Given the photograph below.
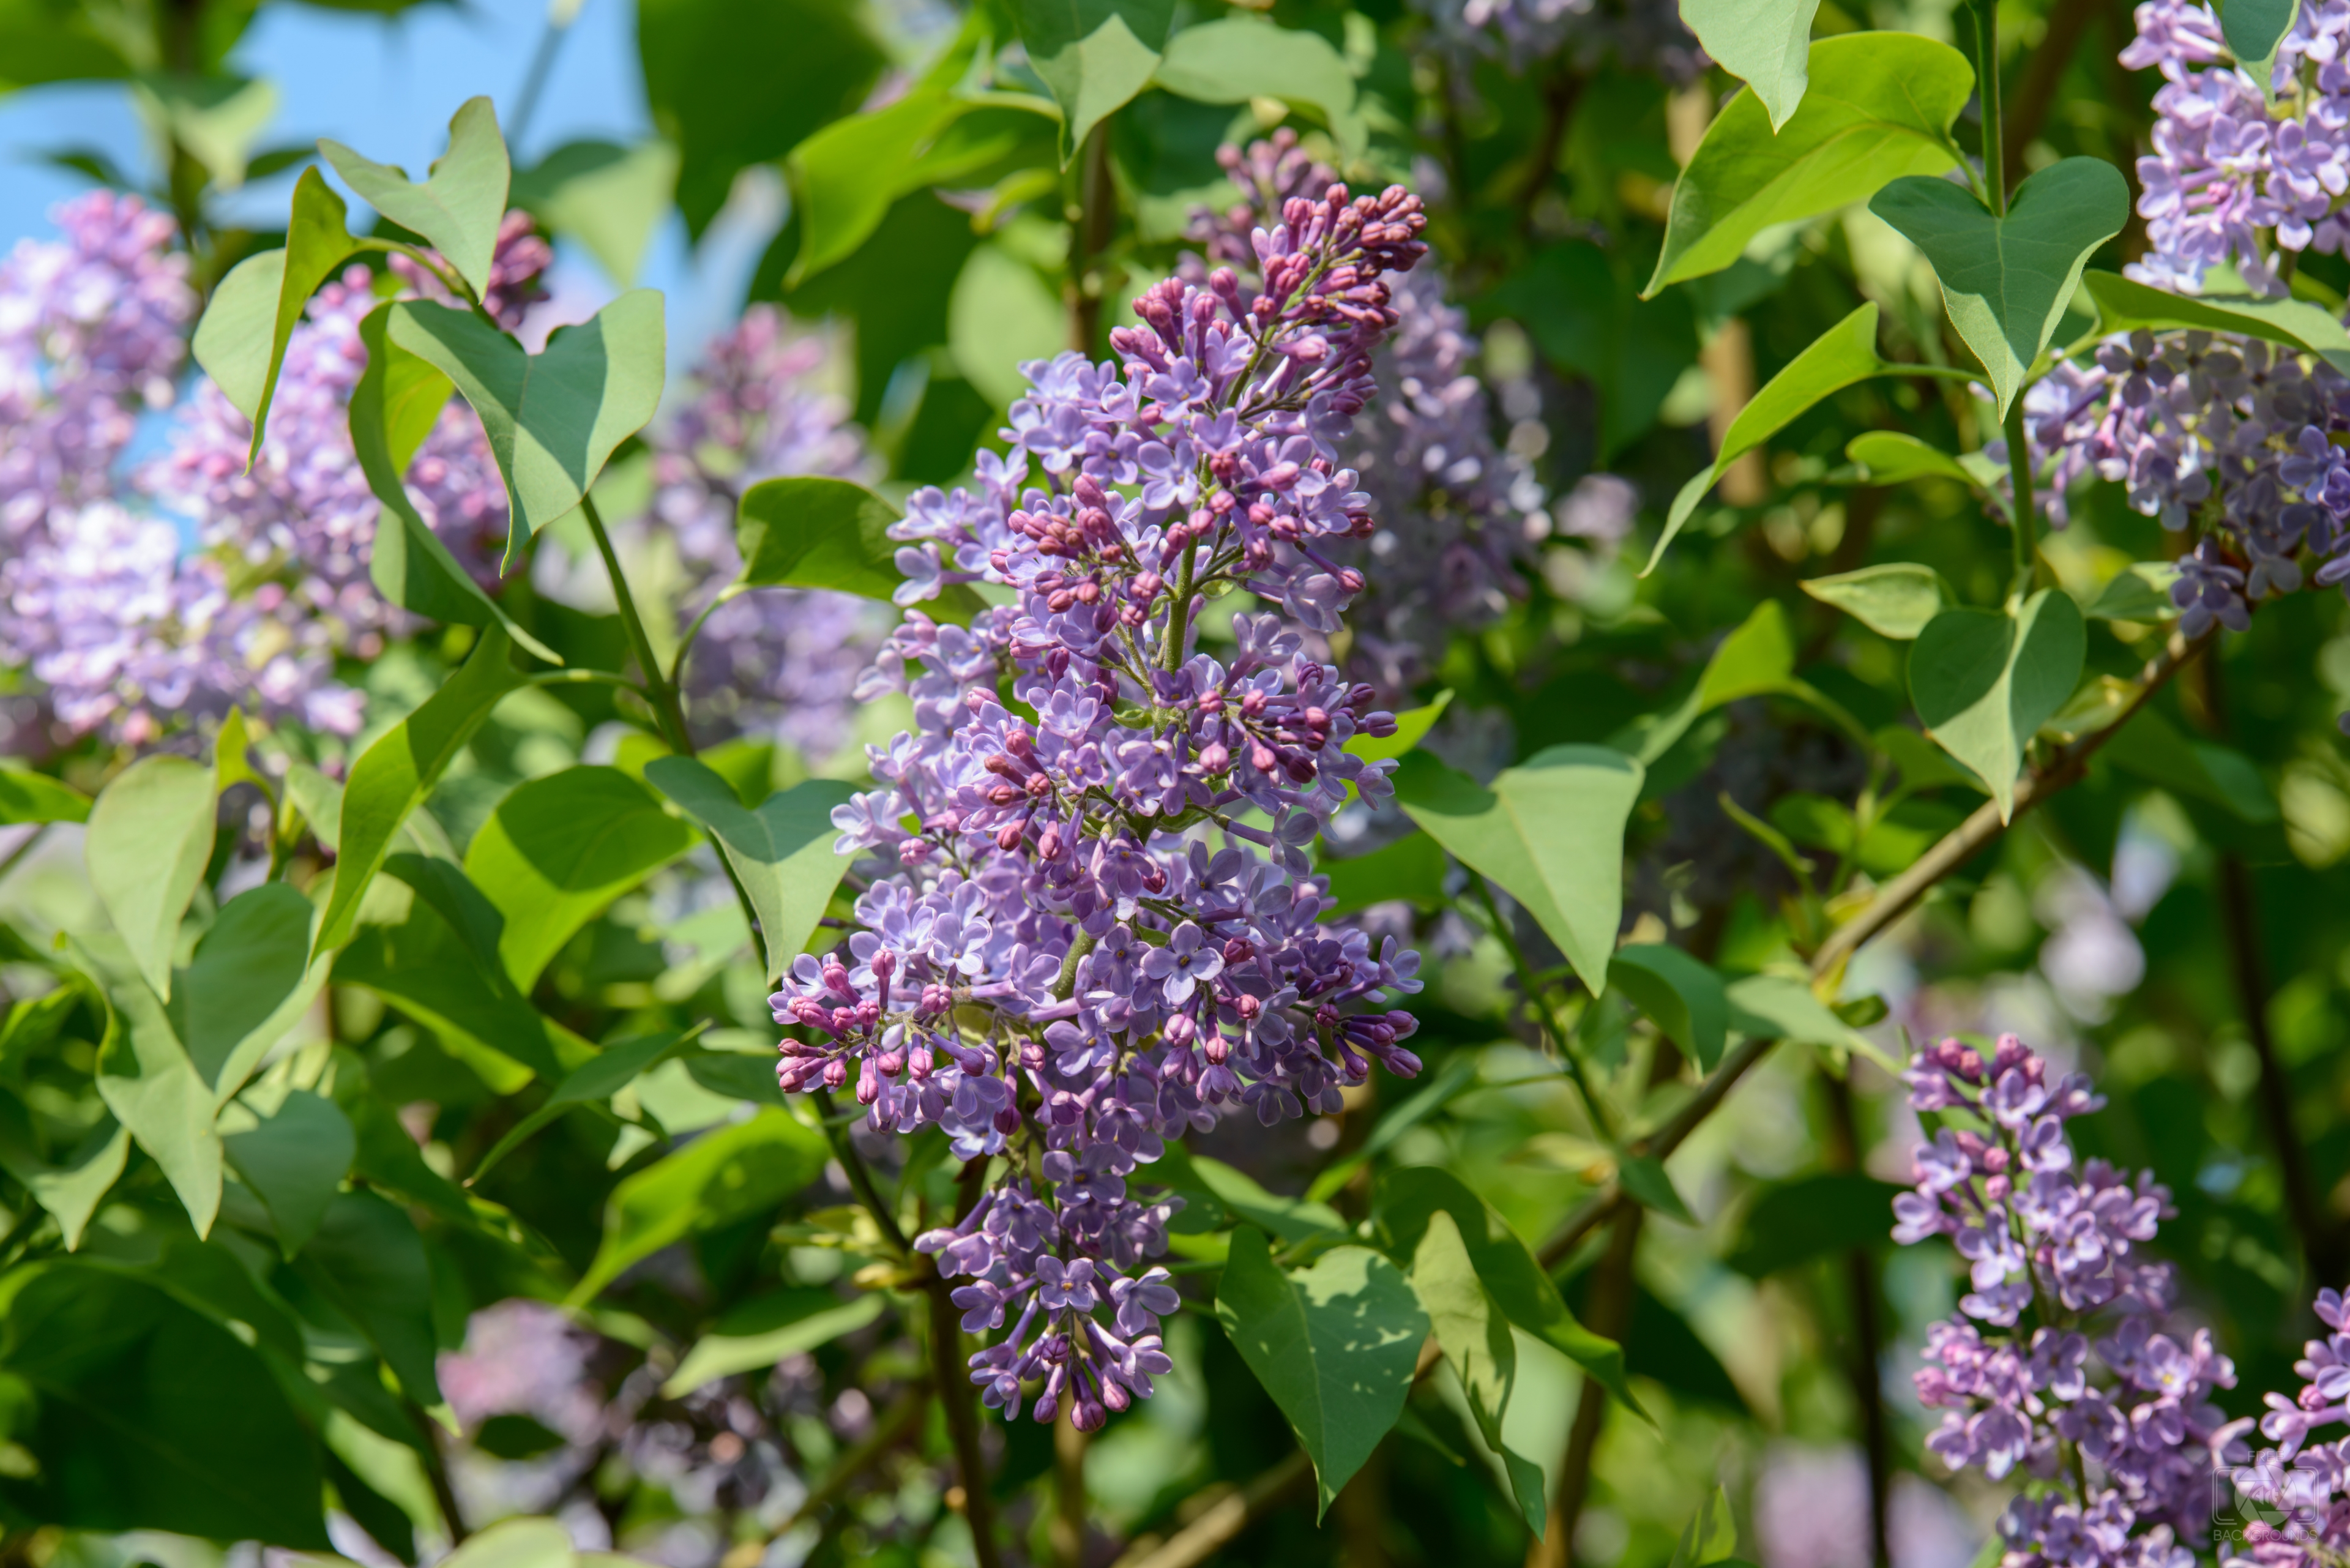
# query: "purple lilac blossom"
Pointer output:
{"type": "Point", "coordinates": [1645, 36]}
{"type": "Point", "coordinates": [1458, 517]}
{"type": "Point", "coordinates": [1084, 950]}
{"type": "Point", "coordinates": [784, 661]}
{"type": "Point", "coordinates": [2118, 1428]}
{"type": "Point", "coordinates": [2308, 1484]}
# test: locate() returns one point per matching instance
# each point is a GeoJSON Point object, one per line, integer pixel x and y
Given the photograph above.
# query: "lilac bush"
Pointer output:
{"type": "Point", "coordinates": [1084, 945]}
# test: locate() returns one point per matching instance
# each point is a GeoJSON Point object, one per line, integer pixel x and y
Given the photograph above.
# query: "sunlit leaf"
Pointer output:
{"type": "Point", "coordinates": [459, 206]}
{"type": "Point", "coordinates": [719, 1178]}
{"type": "Point", "coordinates": [762, 1332]}
{"type": "Point", "coordinates": [781, 851]}
{"type": "Point", "coordinates": [1895, 601]}
{"type": "Point", "coordinates": [1095, 55]}
{"type": "Point", "coordinates": [150, 838]}
{"type": "Point", "coordinates": [1475, 1336]}
{"type": "Point", "coordinates": [1766, 43]}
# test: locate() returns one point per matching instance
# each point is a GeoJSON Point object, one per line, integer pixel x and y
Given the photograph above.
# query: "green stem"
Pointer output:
{"type": "Point", "coordinates": [658, 689]}
{"type": "Point", "coordinates": [2019, 468]}
{"type": "Point", "coordinates": [1987, 81]}
{"type": "Point", "coordinates": [1179, 614]}
{"type": "Point", "coordinates": [1546, 1015]}
{"type": "Point", "coordinates": [576, 677]}
{"type": "Point", "coordinates": [685, 643]}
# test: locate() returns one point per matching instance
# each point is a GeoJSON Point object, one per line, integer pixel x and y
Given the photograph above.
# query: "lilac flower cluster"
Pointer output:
{"type": "Point", "coordinates": [1100, 927]}
{"type": "Point", "coordinates": [1457, 516]}
{"type": "Point", "coordinates": [2313, 1497]}
{"type": "Point", "coordinates": [1644, 35]}
{"type": "Point", "coordinates": [781, 661]}
{"type": "Point", "coordinates": [2122, 1425]}
{"type": "Point", "coordinates": [123, 626]}
{"type": "Point", "coordinates": [2219, 435]}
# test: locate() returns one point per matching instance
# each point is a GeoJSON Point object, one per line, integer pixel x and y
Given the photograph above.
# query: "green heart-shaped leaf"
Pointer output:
{"type": "Point", "coordinates": [458, 208]}
{"type": "Point", "coordinates": [1985, 681]}
{"type": "Point", "coordinates": [1095, 55]}
{"type": "Point", "coordinates": [1766, 43]}
{"type": "Point", "coordinates": [1879, 106]}
{"type": "Point", "coordinates": [781, 852]}
{"type": "Point", "coordinates": [552, 418]}
{"type": "Point", "coordinates": [2006, 280]}
{"type": "Point", "coordinates": [1237, 58]}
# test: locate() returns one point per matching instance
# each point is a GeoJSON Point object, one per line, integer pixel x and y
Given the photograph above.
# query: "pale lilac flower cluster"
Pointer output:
{"type": "Point", "coordinates": [2307, 1485]}
{"type": "Point", "coordinates": [1458, 517]}
{"type": "Point", "coordinates": [1087, 946]}
{"type": "Point", "coordinates": [782, 661]}
{"type": "Point", "coordinates": [1644, 35]}
{"type": "Point", "coordinates": [2121, 1426]}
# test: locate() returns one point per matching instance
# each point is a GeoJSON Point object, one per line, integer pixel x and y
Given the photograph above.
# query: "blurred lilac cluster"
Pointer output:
{"type": "Point", "coordinates": [1457, 517]}
{"type": "Point", "coordinates": [143, 595]}
{"type": "Point", "coordinates": [2119, 1430]}
{"type": "Point", "coordinates": [2313, 1496]}
{"type": "Point", "coordinates": [1644, 35]}
{"type": "Point", "coordinates": [1084, 951]}
{"type": "Point", "coordinates": [784, 661]}
{"type": "Point", "coordinates": [2226, 437]}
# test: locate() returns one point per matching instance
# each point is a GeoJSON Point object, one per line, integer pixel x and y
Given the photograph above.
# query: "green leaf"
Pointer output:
{"type": "Point", "coordinates": [1711, 1535]}
{"type": "Point", "coordinates": [559, 850]}
{"type": "Point", "coordinates": [1781, 1007]}
{"type": "Point", "coordinates": [27, 796]}
{"type": "Point", "coordinates": [2151, 747]}
{"type": "Point", "coordinates": [719, 1178]}
{"type": "Point", "coordinates": [2126, 307]}
{"type": "Point", "coordinates": [150, 838]}
{"type": "Point", "coordinates": [1813, 1217]}
{"type": "Point", "coordinates": [1844, 354]}
{"type": "Point", "coordinates": [1894, 457]}
{"type": "Point", "coordinates": [1681, 993]}
{"type": "Point", "coordinates": [552, 418]}
{"type": "Point", "coordinates": [394, 409]}
{"type": "Point", "coordinates": [2254, 29]}
{"type": "Point", "coordinates": [53, 41]}
{"type": "Point", "coordinates": [2139, 591]}
{"type": "Point", "coordinates": [782, 852]}
{"type": "Point", "coordinates": [1411, 869]}
{"type": "Point", "coordinates": [1895, 601]}
{"type": "Point", "coordinates": [150, 1415]}
{"type": "Point", "coordinates": [1095, 55]}
{"type": "Point", "coordinates": [250, 981]}
{"type": "Point", "coordinates": [1236, 59]}
{"type": "Point", "coordinates": [392, 777]}
{"type": "Point", "coordinates": [240, 341]}
{"type": "Point", "coordinates": [458, 209]}
{"type": "Point", "coordinates": [1334, 1344]}
{"type": "Point", "coordinates": [1210, 1186]}
{"type": "Point", "coordinates": [845, 176]}
{"type": "Point", "coordinates": [732, 85]}
{"type": "Point", "coordinates": [1409, 1197]}
{"type": "Point", "coordinates": [609, 198]}
{"type": "Point", "coordinates": [1985, 681]}
{"type": "Point", "coordinates": [1643, 1177]}
{"type": "Point", "coordinates": [369, 1260]}
{"type": "Point", "coordinates": [612, 1069]}
{"type": "Point", "coordinates": [1000, 315]}
{"type": "Point", "coordinates": [215, 119]}
{"type": "Point", "coordinates": [2007, 280]}
{"type": "Point", "coordinates": [1755, 660]}
{"type": "Point", "coordinates": [517, 1544]}
{"type": "Point", "coordinates": [814, 533]}
{"type": "Point", "coordinates": [295, 1160]}
{"type": "Point", "coordinates": [146, 1081]}
{"type": "Point", "coordinates": [760, 1333]}
{"type": "Point", "coordinates": [1766, 43]}
{"type": "Point", "coordinates": [1475, 1336]}
{"type": "Point", "coordinates": [1550, 832]}
{"type": "Point", "coordinates": [1581, 302]}
{"type": "Point", "coordinates": [1879, 106]}
{"type": "Point", "coordinates": [71, 1189]}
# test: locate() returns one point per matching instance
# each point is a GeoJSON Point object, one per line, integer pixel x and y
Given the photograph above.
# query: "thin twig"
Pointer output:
{"type": "Point", "coordinates": [1867, 1340]}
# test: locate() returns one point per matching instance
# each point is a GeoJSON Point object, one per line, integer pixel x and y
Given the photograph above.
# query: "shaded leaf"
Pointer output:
{"type": "Point", "coordinates": [1643, 1177]}
{"type": "Point", "coordinates": [1001, 315]}
{"type": "Point", "coordinates": [2254, 29]}
{"type": "Point", "coordinates": [719, 1178]}
{"type": "Point", "coordinates": [1985, 681]}
{"type": "Point", "coordinates": [1879, 106]}
{"type": "Point", "coordinates": [1711, 1535]}
{"type": "Point", "coordinates": [2006, 280]}
{"type": "Point", "coordinates": [2139, 591]}
{"type": "Point", "coordinates": [250, 981]}
{"type": "Point", "coordinates": [612, 1069]}
{"type": "Point", "coordinates": [369, 1260]}
{"type": "Point", "coordinates": [809, 531]}
{"type": "Point", "coordinates": [1475, 1336]}
{"type": "Point", "coordinates": [150, 838]}
{"type": "Point", "coordinates": [760, 1333]}
{"type": "Point", "coordinates": [1550, 832]}
{"type": "Point", "coordinates": [1892, 457]}
{"type": "Point", "coordinates": [610, 198]}
{"type": "Point", "coordinates": [1095, 55]}
{"type": "Point", "coordinates": [1411, 869]}
{"type": "Point", "coordinates": [2123, 305]}
{"type": "Point", "coordinates": [72, 1187]}
{"type": "Point", "coordinates": [147, 1082]}
{"type": "Point", "coordinates": [295, 1160]}
{"type": "Point", "coordinates": [782, 852]}
{"type": "Point", "coordinates": [1214, 1188]}
{"type": "Point", "coordinates": [27, 796]}
{"type": "Point", "coordinates": [392, 777]}
{"type": "Point", "coordinates": [1334, 1344]}
{"type": "Point", "coordinates": [1813, 1217]}
{"type": "Point", "coordinates": [1237, 58]}
{"type": "Point", "coordinates": [459, 206]}
{"type": "Point", "coordinates": [559, 850]}
{"type": "Point", "coordinates": [1680, 992]}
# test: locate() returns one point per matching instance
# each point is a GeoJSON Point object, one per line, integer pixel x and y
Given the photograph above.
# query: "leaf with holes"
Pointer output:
{"type": "Point", "coordinates": [1984, 681]}
{"type": "Point", "coordinates": [552, 418]}
{"type": "Point", "coordinates": [460, 205]}
{"type": "Point", "coordinates": [1334, 1344]}
{"type": "Point", "coordinates": [2006, 280]}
